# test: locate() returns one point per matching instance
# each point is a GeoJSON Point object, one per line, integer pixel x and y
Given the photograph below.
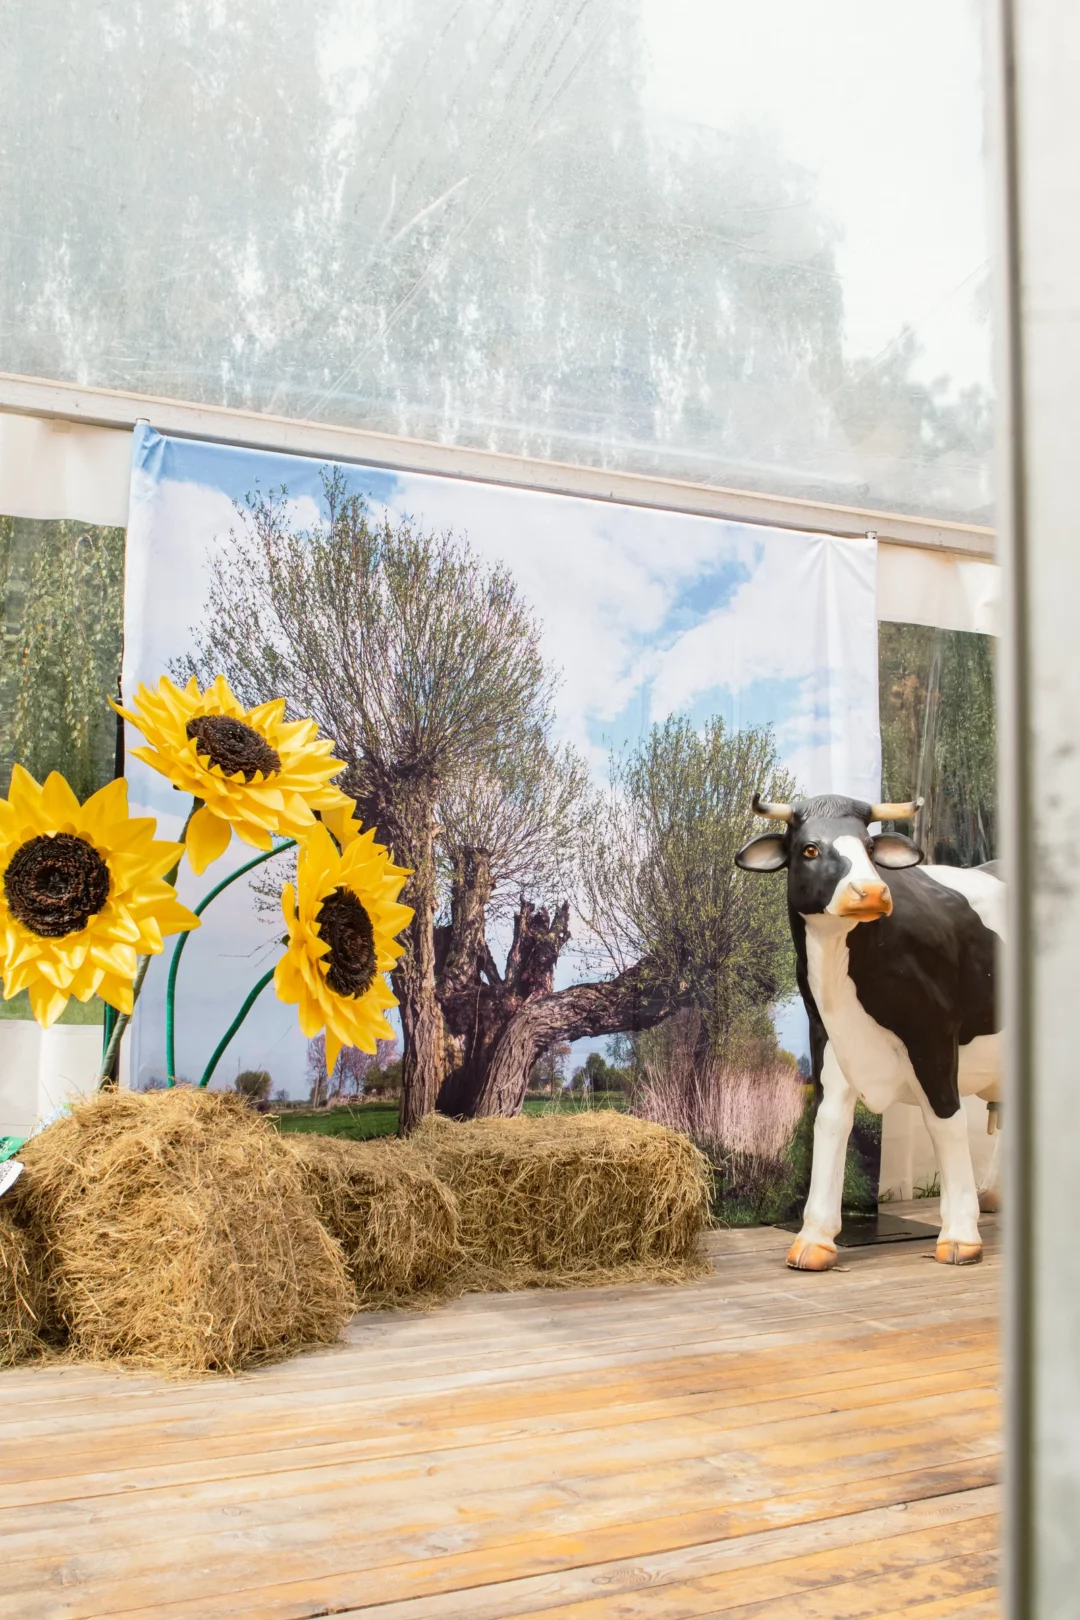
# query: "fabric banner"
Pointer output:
{"type": "Point", "coordinates": [643, 618]}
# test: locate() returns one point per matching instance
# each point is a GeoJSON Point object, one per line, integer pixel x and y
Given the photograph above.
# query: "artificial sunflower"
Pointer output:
{"type": "Point", "coordinates": [344, 822]}
{"type": "Point", "coordinates": [81, 894]}
{"type": "Point", "coordinates": [255, 772]}
{"type": "Point", "coordinates": [342, 917]}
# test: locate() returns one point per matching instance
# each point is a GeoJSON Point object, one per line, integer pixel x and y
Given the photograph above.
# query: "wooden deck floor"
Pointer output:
{"type": "Point", "coordinates": [763, 1445]}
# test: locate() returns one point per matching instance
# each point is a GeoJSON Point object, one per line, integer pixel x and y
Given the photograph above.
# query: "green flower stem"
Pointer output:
{"type": "Point", "coordinates": [108, 1024]}
{"type": "Point", "coordinates": [253, 995]}
{"type": "Point", "coordinates": [108, 1049]}
{"type": "Point", "coordinates": [122, 1020]}
{"type": "Point", "coordinates": [178, 951]}
{"type": "Point", "coordinates": [171, 876]}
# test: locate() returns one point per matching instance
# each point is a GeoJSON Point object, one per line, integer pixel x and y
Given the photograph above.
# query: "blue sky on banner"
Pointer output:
{"type": "Point", "coordinates": [644, 614]}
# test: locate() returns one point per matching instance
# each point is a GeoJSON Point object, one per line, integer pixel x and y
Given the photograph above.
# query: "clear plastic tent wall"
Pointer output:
{"type": "Point", "coordinates": [739, 245]}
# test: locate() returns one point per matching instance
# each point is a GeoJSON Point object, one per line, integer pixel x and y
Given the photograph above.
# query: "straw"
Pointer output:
{"type": "Point", "coordinates": [178, 1235]}
{"type": "Point", "coordinates": [395, 1221]}
{"type": "Point", "coordinates": [572, 1200]}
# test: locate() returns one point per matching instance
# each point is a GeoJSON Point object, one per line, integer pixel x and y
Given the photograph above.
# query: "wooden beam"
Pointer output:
{"type": "Point", "coordinates": [105, 407]}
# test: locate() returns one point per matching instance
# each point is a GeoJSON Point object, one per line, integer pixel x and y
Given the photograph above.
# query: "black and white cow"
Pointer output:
{"type": "Point", "coordinates": [898, 982]}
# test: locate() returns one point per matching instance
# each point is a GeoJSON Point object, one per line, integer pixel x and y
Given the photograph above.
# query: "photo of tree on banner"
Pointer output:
{"type": "Point", "coordinates": [554, 713]}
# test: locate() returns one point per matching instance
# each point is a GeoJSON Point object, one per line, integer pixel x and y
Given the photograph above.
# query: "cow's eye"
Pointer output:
{"type": "Point", "coordinates": [811, 852]}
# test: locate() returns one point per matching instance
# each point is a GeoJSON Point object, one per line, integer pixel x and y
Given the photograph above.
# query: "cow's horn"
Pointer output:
{"type": "Point", "coordinates": [774, 812]}
{"type": "Point", "coordinates": [896, 812]}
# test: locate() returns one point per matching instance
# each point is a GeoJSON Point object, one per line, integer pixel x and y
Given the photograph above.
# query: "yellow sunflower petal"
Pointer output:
{"type": "Point", "coordinates": [343, 822]}
{"type": "Point", "coordinates": [115, 958]}
{"type": "Point", "coordinates": [117, 923]}
{"type": "Point", "coordinates": [267, 714]}
{"type": "Point", "coordinates": [24, 793]}
{"type": "Point", "coordinates": [333, 1048]}
{"type": "Point", "coordinates": [149, 942]}
{"type": "Point", "coordinates": [46, 1002]}
{"type": "Point", "coordinates": [270, 800]}
{"type": "Point", "coordinates": [173, 918]}
{"type": "Point", "coordinates": [118, 993]}
{"type": "Point", "coordinates": [58, 801]}
{"type": "Point", "coordinates": [102, 948]}
{"type": "Point", "coordinates": [303, 974]}
{"type": "Point", "coordinates": [109, 803]}
{"type": "Point", "coordinates": [208, 838]}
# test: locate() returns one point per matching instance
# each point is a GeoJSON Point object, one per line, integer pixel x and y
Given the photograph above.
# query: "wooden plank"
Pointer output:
{"type": "Point", "coordinates": [981, 1605]}
{"type": "Point", "coordinates": [916, 1565]}
{"type": "Point", "coordinates": [723, 1378]}
{"type": "Point", "coordinates": [715, 1322]}
{"type": "Point", "coordinates": [219, 1397]}
{"type": "Point", "coordinates": [717, 1451]}
{"type": "Point", "coordinates": [628, 1577]}
{"type": "Point", "coordinates": [357, 1553]}
{"type": "Point", "coordinates": [709, 1431]}
{"type": "Point", "coordinates": [126, 1462]}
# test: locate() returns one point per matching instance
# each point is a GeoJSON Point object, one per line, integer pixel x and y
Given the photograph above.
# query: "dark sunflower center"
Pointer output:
{"type": "Point", "coordinates": [55, 885]}
{"type": "Point", "coordinates": [233, 745]}
{"type": "Point", "coordinates": [346, 927]}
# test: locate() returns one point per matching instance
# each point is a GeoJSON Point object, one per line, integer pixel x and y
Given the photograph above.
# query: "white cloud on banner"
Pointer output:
{"type": "Point", "coordinates": [601, 579]}
{"type": "Point", "coordinates": [175, 527]}
{"type": "Point", "coordinates": [607, 583]}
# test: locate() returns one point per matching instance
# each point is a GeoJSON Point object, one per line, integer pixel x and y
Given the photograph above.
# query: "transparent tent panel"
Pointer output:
{"type": "Point", "coordinates": [736, 245]}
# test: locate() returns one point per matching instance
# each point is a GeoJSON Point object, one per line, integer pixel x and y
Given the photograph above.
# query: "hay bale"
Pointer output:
{"type": "Point", "coordinates": [569, 1200]}
{"type": "Point", "coordinates": [22, 1292]}
{"type": "Point", "coordinates": [178, 1235]}
{"type": "Point", "coordinates": [395, 1221]}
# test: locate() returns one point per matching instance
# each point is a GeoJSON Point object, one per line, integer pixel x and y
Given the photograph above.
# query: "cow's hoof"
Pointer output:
{"type": "Point", "coordinates": [958, 1254]}
{"type": "Point", "coordinates": [989, 1201]}
{"type": "Point", "coordinates": [804, 1256]}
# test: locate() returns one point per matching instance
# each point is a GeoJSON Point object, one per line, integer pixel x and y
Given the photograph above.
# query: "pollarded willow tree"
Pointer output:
{"type": "Point", "coordinates": [507, 841]}
{"type": "Point", "coordinates": [675, 921]}
{"type": "Point", "coordinates": [424, 666]}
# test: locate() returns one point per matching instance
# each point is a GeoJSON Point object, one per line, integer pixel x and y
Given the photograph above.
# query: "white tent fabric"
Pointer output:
{"type": "Point", "coordinates": [58, 469]}
{"type": "Point", "coordinates": [945, 591]}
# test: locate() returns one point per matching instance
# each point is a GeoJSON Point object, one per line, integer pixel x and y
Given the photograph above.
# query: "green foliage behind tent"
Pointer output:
{"type": "Point", "coordinates": [61, 589]}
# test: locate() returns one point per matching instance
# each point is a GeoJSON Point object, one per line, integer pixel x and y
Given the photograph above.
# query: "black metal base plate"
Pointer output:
{"type": "Point", "coordinates": [860, 1230]}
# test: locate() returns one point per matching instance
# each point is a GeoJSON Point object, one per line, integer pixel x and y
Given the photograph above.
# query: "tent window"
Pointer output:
{"type": "Point", "coordinates": [629, 234]}
{"type": "Point", "coordinates": [938, 737]}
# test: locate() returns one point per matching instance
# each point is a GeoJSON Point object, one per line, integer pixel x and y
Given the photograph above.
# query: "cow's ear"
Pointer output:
{"type": "Point", "coordinates": [894, 851]}
{"type": "Point", "coordinates": [765, 854]}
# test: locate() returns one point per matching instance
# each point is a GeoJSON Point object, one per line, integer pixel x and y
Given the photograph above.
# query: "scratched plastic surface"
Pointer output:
{"type": "Point", "coordinates": [741, 245]}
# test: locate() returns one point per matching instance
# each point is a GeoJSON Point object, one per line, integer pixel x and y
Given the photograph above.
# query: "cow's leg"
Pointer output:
{"type": "Point", "coordinates": [959, 1243]}
{"type": "Point", "coordinates": [814, 1249]}
{"type": "Point", "coordinates": [990, 1190]}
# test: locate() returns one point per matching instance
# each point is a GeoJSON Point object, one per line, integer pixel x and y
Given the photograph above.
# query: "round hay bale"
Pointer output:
{"type": "Point", "coordinates": [395, 1221]}
{"type": "Point", "coordinates": [22, 1292]}
{"type": "Point", "coordinates": [178, 1234]}
{"type": "Point", "coordinates": [572, 1199]}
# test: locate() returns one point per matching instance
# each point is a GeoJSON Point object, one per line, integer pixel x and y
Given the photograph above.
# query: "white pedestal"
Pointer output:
{"type": "Point", "coordinates": [41, 1068]}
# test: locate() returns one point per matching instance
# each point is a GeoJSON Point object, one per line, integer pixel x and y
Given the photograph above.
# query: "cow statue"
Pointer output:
{"type": "Point", "coordinates": [898, 981]}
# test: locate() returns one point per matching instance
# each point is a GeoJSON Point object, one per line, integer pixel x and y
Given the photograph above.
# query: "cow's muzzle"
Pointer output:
{"type": "Point", "coordinates": [864, 901]}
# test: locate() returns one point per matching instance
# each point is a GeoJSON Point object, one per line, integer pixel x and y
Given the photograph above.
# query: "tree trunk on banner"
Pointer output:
{"type": "Point", "coordinates": [628, 1002]}
{"type": "Point", "coordinates": [411, 831]}
{"type": "Point", "coordinates": [478, 1002]}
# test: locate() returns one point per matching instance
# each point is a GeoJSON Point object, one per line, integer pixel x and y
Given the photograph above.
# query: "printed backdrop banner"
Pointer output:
{"type": "Point", "coordinates": [645, 614]}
